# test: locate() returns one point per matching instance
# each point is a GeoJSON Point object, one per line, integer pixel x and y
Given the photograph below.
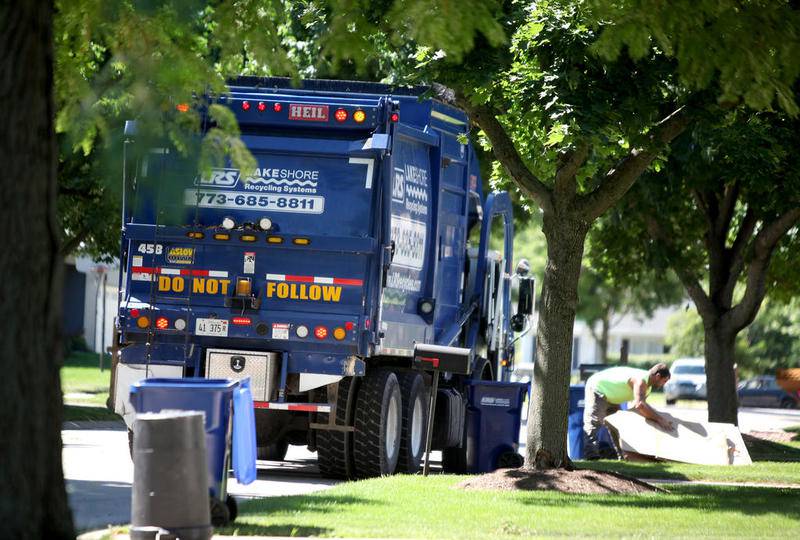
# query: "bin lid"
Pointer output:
{"type": "Point", "coordinates": [189, 382]}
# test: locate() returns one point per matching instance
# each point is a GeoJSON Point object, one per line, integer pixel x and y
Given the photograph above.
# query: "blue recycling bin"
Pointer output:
{"type": "Point", "coordinates": [494, 414]}
{"type": "Point", "coordinates": [215, 398]}
{"type": "Point", "coordinates": [575, 422]}
{"type": "Point", "coordinates": [575, 440]}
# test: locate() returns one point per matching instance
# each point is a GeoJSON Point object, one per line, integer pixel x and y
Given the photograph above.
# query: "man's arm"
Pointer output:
{"type": "Point", "coordinates": [641, 406]}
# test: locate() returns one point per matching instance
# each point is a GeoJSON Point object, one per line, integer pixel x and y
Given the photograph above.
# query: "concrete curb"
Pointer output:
{"type": "Point", "coordinates": [105, 425]}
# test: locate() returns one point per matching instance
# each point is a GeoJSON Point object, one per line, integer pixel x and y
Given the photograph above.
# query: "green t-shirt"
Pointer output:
{"type": "Point", "coordinates": [613, 383]}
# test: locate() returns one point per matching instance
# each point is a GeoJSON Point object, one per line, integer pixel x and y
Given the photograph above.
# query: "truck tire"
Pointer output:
{"type": "Point", "coordinates": [378, 423]}
{"type": "Point", "coordinates": [415, 399]}
{"type": "Point", "coordinates": [273, 452]}
{"type": "Point", "coordinates": [335, 448]}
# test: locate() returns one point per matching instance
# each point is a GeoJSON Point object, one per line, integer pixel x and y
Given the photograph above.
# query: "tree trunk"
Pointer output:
{"type": "Point", "coordinates": [33, 501]}
{"type": "Point", "coordinates": [605, 325]}
{"type": "Point", "coordinates": [720, 345]}
{"type": "Point", "coordinates": [547, 423]}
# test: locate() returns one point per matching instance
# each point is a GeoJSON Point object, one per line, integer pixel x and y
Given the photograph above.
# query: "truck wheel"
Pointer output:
{"type": "Point", "coordinates": [378, 424]}
{"type": "Point", "coordinates": [415, 400]}
{"type": "Point", "coordinates": [335, 448]}
{"type": "Point", "coordinates": [273, 452]}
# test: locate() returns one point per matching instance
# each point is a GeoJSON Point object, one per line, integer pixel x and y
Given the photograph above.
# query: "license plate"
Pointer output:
{"type": "Point", "coordinates": [211, 327]}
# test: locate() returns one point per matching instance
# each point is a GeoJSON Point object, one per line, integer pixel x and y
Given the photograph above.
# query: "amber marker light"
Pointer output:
{"type": "Point", "coordinates": [222, 236]}
{"type": "Point", "coordinates": [339, 333]}
{"type": "Point", "coordinates": [244, 287]}
{"type": "Point", "coordinates": [247, 238]}
{"type": "Point", "coordinates": [196, 235]}
{"type": "Point", "coordinates": [182, 107]}
{"type": "Point", "coordinates": [301, 241]}
{"type": "Point", "coordinates": [143, 322]}
{"type": "Point", "coordinates": [359, 116]}
{"type": "Point", "coordinates": [274, 240]}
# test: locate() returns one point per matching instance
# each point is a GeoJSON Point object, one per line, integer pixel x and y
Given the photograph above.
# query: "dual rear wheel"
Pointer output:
{"type": "Point", "coordinates": [389, 412]}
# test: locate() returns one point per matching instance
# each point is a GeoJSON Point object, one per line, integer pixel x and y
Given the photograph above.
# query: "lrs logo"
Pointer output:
{"type": "Point", "coordinates": [398, 185]}
{"type": "Point", "coordinates": [219, 178]}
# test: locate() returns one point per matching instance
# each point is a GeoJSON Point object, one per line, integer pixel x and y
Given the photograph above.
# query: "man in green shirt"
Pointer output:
{"type": "Point", "coordinates": [608, 389]}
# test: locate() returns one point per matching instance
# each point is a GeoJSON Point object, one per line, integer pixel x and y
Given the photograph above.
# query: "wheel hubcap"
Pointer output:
{"type": "Point", "coordinates": [392, 427]}
{"type": "Point", "coordinates": [416, 427]}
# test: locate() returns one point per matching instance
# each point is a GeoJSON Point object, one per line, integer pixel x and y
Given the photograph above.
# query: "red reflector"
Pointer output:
{"type": "Point", "coordinates": [182, 107]}
{"type": "Point", "coordinates": [262, 106]}
{"type": "Point", "coordinates": [320, 332]}
{"type": "Point", "coordinates": [395, 117]}
{"type": "Point", "coordinates": [245, 105]}
{"type": "Point", "coordinates": [348, 326]}
{"type": "Point", "coordinates": [241, 321]}
{"type": "Point", "coordinates": [162, 323]}
{"type": "Point", "coordinates": [277, 107]}
{"type": "Point", "coordinates": [135, 313]}
{"type": "Point", "coordinates": [340, 115]}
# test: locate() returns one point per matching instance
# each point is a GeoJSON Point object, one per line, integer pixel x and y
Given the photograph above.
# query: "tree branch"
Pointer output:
{"type": "Point", "coordinates": [619, 179]}
{"type": "Point", "coordinates": [566, 185]}
{"type": "Point", "coordinates": [71, 244]}
{"type": "Point", "coordinates": [737, 252]}
{"type": "Point", "coordinates": [689, 280]}
{"type": "Point", "coordinates": [503, 148]}
{"type": "Point", "coordinates": [763, 247]}
{"type": "Point", "coordinates": [726, 208]}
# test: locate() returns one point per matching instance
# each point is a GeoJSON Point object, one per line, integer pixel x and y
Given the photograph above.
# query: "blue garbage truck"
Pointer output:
{"type": "Point", "coordinates": [362, 235]}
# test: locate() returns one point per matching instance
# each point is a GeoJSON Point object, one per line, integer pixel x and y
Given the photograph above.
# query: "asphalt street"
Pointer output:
{"type": "Point", "coordinates": [99, 471]}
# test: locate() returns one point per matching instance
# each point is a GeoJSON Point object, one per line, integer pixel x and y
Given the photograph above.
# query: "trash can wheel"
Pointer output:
{"type": "Point", "coordinates": [220, 512]}
{"type": "Point", "coordinates": [233, 508]}
{"type": "Point", "coordinates": [510, 460]}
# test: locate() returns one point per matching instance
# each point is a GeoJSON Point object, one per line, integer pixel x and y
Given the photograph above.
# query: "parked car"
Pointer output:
{"type": "Point", "coordinates": [688, 380]}
{"type": "Point", "coordinates": [764, 391]}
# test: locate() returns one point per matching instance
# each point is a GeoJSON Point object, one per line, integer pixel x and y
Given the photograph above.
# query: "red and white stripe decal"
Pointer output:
{"type": "Point", "coordinates": [143, 273]}
{"type": "Point", "coordinates": [307, 407]}
{"type": "Point", "coordinates": [315, 279]}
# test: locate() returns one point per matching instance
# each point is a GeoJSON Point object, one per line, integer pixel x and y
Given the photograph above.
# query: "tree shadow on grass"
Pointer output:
{"type": "Point", "coordinates": [277, 529]}
{"type": "Point", "coordinates": [751, 501]}
{"type": "Point", "coordinates": [321, 504]}
{"type": "Point", "coordinates": [660, 470]}
{"type": "Point", "coordinates": [765, 450]}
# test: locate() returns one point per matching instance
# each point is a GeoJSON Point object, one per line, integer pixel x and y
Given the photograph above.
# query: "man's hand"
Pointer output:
{"type": "Point", "coordinates": [663, 422]}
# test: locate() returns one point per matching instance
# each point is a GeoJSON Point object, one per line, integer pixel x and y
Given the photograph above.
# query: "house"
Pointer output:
{"type": "Point", "coordinates": [90, 301]}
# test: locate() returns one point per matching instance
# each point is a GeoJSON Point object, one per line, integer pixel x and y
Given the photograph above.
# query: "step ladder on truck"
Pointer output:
{"type": "Point", "coordinates": [362, 234]}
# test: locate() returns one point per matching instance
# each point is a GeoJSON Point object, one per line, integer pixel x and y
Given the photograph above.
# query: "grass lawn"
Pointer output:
{"type": "Point", "coordinates": [417, 507]}
{"type": "Point", "coordinates": [82, 381]}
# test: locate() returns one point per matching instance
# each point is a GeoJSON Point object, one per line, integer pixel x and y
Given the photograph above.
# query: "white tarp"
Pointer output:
{"type": "Point", "coordinates": [702, 443]}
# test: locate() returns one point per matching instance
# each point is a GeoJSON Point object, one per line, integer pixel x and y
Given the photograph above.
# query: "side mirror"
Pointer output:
{"type": "Point", "coordinates": [526, 290]}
